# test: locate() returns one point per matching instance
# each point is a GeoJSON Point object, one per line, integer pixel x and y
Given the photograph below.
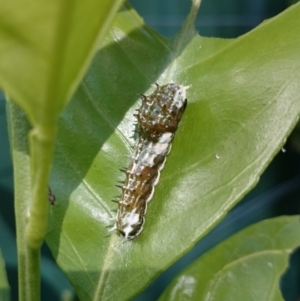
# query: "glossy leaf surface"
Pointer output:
{"type": "Point", "coordinates": [243, 101]}
{"type": "Point", "coordinates": [247, 266]}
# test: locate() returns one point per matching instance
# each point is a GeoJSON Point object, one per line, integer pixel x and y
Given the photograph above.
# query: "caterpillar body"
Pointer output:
{"type": "Point", "coordinates": [158, 119]}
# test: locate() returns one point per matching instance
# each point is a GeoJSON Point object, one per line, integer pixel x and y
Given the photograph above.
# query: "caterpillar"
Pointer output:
{"type": "Point", "coordinates": [158, 119]}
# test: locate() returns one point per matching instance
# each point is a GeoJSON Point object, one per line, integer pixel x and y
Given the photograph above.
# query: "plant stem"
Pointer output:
{"type": "Point", "coordinates": [31, 170]}
{"type": "Point", "coordinates": [41, 153]}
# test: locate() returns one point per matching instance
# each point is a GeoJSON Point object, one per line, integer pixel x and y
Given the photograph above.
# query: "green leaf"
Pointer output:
{"type": "Point", "coordinates": [46, 48]}
{"type": "Point", "coordinates": [247, 266]}
{"type": "Point", "coordinates": [243, 101]}
{"type": "Point", "coordinates": [4, 286]}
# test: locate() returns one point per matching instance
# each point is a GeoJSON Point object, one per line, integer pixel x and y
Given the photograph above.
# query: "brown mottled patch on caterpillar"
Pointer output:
{"type": "Point", "coordinates": [158, 120]}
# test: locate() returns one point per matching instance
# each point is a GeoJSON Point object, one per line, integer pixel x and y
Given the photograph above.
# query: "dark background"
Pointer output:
{"type": "Point", "coordinates": [276, 194]}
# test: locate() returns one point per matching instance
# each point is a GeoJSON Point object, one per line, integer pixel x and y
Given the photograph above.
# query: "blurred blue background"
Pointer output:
{"type": "Point", "coordinates": [276, 194]}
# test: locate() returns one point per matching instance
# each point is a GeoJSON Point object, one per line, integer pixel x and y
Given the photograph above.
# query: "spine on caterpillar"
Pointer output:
{"type": "Point", "coordinates": [158, 120]}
